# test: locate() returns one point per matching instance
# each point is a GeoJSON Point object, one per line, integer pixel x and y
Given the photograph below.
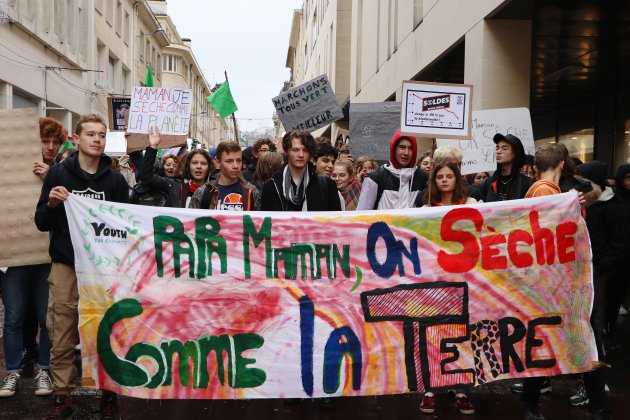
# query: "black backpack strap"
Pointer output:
{"type": "Point", "coordinates": [380, 189]}
{"type": "Point", "coordinates": [323, 189]}
{"type": "Point", "coordinates": [206, 198]}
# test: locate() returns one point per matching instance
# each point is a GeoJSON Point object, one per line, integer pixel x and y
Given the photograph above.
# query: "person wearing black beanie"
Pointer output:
{"type": "Point", "coordinates": [507, 183]}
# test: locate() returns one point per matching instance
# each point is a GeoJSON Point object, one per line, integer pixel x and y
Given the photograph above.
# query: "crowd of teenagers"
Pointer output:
{"type": "Point", "coordinates": [307, 174]}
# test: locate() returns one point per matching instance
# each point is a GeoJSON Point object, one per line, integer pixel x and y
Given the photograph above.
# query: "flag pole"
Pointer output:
{"type": "Point", "coordinates": [233, 116]}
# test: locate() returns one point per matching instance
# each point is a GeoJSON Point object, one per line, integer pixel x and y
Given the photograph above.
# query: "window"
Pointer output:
{"type": "Point", "coordinates": [71, 29]}
{"type": "Point", "coordinates": [170, 63]}
{"type": "Point", "coordinates": [82, 18]}
{"type": "Point", "coordinates": [110, 13]}
{"type": "Point", "coordinates": [124, 82]}
{"type": "Point", "coordinates": [141, 50]}
{"type": "Point", "coordinates": [100, 53]}
{"type": "Point", "coordinates": [580, 143]}
{"type": "Point", "coordinates": [127, 28]}
{"type": "Point", "coordinates": [305, 57]}
{"type": "Point", "coordinates": [314, 29]}
{"type": "Point", "coordinates": [111, 65]}
{"type": "Point", "coordinates": [119, 18]}
{"type": "Point", "coordinates": [158, 68]}
{"type": "Point", "coordinates": [147, 51]}
{"type": "Point", "coordinates": [58, 19]}
{"type": "Point", "coordinates": [417, 13]}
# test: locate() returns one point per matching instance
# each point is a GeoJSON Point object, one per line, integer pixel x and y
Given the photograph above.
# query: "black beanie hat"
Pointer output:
{"type": "Point", "coordinates": [517, 147]}
{"type": "Point", "coordinates": [594, 171]}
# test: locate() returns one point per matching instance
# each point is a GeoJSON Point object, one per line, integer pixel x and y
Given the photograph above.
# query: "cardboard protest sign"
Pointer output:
{"type": "Point", "coordinates": [310, 106]}
{"type": "Point", "coordinates": [118, 108]}
{"type": "Point", "coordinates": [166, 108]}
{"type": "Point", "coordinates": [292, 305]}
{"type": "Point", "coordinates": [479, 153]}
{"type": "Point", "coordinates": [436, 110]}
{"type": "Point", "coordinates": [371, 128]}
{"type": "Point", "coordinates": [20, 241]}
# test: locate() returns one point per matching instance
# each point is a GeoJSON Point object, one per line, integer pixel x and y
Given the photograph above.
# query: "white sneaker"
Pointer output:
{"type": "Point", "coordinates": [42, 381]}
{"type": "Point", "coordinates": [10, 385]}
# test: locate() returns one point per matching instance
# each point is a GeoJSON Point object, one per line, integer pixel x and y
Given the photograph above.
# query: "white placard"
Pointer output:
{"type": "Point", "coordinates": [436, 110]}
{"type": "Point", "coordinates": [116, 144]}
{"type": "Point", "coordinates": [166, 108]}
{"type": "Point", "coordinates": [479, 153]}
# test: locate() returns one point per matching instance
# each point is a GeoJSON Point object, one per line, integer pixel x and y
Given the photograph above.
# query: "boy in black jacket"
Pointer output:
{"type": "Point", "coordinates": [296, 186]}
{"type": "Point", "coordinates": [507, 183]}
{"type": "Point", "coordinates": [87, 172]}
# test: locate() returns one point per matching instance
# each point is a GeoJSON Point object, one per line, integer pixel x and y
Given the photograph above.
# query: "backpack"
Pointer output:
{"type": "Point", "coordinates": [144, 196]}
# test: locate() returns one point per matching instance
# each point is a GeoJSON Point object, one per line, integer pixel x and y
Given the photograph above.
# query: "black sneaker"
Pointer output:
{"type": "Point", "coordinates": [62, 409]}
{"type": "Point", "coordinates": [109, 406]}
{"type": "Point", "coordinates": [545, 387]}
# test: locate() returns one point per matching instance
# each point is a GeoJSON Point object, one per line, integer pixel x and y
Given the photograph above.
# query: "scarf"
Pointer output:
{"type": "Point", "coordinates": [298, 196]}
{"type": "Point", "coordinates": [192, 187]}
{"type": "Point", "coordinates": [351, 195]}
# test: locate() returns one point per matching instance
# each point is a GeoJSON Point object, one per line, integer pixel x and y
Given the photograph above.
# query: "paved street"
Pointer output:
{"type": "Point", "coordinates": [492, 402]}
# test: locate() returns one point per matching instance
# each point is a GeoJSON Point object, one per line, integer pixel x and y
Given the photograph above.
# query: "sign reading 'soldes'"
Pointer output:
{"type": "Point", "coordinates": [297, 305]}
{"type": "Point", "coordinates": [309, 106]}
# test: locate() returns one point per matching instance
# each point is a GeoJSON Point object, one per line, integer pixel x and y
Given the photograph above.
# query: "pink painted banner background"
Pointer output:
{"type": "Point", "coordinates": [182, 303]}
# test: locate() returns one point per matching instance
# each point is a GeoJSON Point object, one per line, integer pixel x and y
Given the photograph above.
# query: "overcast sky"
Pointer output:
{"type": "Point", "coordinates": [249, 39]}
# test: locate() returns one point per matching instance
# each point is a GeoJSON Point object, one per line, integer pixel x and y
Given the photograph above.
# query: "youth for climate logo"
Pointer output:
{"type": "Point", "coordinates": [233, 202]}
{"type": "Point", "coordinates": [107, 224]}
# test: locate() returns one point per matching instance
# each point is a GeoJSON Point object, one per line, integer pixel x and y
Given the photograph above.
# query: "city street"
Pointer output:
{"type": "Point", "coordinates": [494, 401]}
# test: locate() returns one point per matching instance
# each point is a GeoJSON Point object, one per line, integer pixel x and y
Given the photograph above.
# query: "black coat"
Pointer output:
{"type": "Point", "coordinates": [519, 188]}
{"type": "Point", "coordinates": [321, 193]}
{"type": "Point", "coordinates": [105, 184]}
{"type": "Point", "coordinates": [172, 187]}
{"type": "Point", "coordinates": [607, 228]}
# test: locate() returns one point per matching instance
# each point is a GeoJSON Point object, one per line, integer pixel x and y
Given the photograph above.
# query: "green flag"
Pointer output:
{"type": "Point", "coordinates": [67, 146]}
{"type": "Point", "coordinates": [149, 81]}
{"type": "Point", "coordinates": [222, 100]}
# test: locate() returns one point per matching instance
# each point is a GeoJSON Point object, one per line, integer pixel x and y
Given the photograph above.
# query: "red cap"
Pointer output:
{"type": "Point", "coordinates": [392, 147]}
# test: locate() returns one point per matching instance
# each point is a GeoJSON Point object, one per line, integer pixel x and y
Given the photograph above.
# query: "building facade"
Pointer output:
{"type": "Point", "coordinates": [319, 43]}
{"type": "Point", "coordinates": [564, 61]}
{"type": "Point", "coordinates": [67, 57]}
{"type": "Point", "coordinates": [180, 69]}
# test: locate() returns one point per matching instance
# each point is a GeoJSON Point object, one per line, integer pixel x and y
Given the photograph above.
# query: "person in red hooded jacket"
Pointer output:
{"type": "Point", "coordinates": [396, 184]}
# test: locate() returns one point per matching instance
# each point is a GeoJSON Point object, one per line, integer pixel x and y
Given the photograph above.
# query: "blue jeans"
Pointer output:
{"type": "Point", "coordinates": [16, 284]}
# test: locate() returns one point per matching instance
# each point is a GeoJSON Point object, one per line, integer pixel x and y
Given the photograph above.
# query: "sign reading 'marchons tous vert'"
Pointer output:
{"type": "Point", "coordinates": [309, 106]}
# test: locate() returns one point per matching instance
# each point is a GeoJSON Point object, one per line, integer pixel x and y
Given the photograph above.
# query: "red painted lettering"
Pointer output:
{"type": "Point", "coordinates": [566, 241]}
{"type": "Point", "coordinates": [468, 257]}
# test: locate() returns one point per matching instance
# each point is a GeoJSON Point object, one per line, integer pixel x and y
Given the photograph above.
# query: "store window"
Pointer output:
{"type": "Point", "coordinates": [579, 143]}
{"type": "Point", "coordinates": [625, 151]}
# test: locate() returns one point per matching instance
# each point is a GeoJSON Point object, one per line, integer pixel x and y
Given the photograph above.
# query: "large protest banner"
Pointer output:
{"type": "Point", "coordinates": [479, 153]}
{"type": "Point", "coordinates": [20, 241]}
{"type": "Point", "coordinates": [182, 303]}
{"type": "Point", "coordinates": [310, 106]}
